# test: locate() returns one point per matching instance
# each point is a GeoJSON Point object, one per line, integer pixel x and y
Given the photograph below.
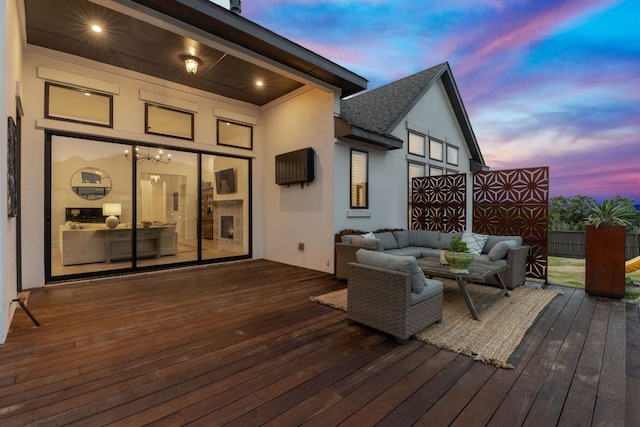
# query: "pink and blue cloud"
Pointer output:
{"type": "Point", "coordinates": [545, 82]}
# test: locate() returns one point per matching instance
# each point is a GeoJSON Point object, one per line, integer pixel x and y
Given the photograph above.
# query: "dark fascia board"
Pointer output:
{"type": "Point", "coordinates": [345, 130]}
{"type": "Point", "coordinates": [220, 22]}
{"type": "Point", "coordinates": [461, 114]}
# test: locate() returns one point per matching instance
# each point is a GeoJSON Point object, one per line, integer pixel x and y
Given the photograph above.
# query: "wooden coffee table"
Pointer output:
{"type": "Point", "coordinates": [478, 273]}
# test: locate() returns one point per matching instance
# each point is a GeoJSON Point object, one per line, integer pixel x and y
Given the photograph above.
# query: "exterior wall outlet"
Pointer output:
{"type": "Point", "coordinates": [301, 246]}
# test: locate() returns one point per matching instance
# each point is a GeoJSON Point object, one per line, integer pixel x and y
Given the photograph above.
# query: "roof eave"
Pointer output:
{"type": "Point", "coordinates": [238, 30]}
{"type": "Point", "coordinates": [345, 130]}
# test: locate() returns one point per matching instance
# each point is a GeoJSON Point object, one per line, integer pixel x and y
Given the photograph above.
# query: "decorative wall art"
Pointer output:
{"type": "Point", "coordinates": [12, 169]}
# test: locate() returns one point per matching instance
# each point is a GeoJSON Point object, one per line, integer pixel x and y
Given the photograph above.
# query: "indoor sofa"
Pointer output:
{"type": "Point", "coordinates": [500, 250]}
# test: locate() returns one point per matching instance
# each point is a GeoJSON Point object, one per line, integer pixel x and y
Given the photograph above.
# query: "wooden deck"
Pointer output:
{"type": "Point", "coordinates": [241, 344]}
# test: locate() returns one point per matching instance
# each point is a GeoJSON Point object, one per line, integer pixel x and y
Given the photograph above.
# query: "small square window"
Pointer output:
{"type": "Point", "coordinates": [435, 171]}
{"type": "Point", "coordinates": [416, 144]}
{"type": "Point", "coordinates": [165, 121]}
{"type": "Point", "coordinates": [78, 105]}
{"type": "Point", "coordinates": [235, 135]}
{"type": "Point", "coordinates": [452, 155]}
{"type": "Point", "coordinates": [435, 150]}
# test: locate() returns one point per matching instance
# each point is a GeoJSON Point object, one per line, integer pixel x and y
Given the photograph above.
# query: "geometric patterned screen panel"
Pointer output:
{"type": "Point", "coordinates": [439, 203]}
{"type": "Point", "coordinates": [515, 202]}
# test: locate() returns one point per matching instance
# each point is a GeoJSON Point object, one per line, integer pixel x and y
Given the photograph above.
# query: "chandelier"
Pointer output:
{"type": "Point", "coordinates": [158, 158]}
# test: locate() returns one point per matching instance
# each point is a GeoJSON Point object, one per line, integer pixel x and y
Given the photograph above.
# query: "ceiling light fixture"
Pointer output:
{"type": "Point", "coordinates": [139, 158]}
{"type": "Point", "coordinates": [96, 28]}
{"type": "Point", "coordinates": [191, 63]}
{"type": "Point", "coordinates": [259, 83]}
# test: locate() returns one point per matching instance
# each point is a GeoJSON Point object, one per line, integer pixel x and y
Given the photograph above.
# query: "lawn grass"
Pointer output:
{"type": "Point", "coordinates": [570, 272]}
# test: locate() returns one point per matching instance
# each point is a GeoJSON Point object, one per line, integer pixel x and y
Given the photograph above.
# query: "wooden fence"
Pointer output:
{"type": "Point", "coordinates": [570, 244]}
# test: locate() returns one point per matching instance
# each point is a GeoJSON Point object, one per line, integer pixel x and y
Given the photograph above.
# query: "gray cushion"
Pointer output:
{"type": "Point", "coordinates": [414, 251]}
{"type": "Point", "coordinates": [445, 240]}
{"type": "Point", "coordinates": [371, 244]}
{"type": "Point", "coordinates": [424, 238]}
{"type": "Point", "coordinates": [500, 249]}
{"type": "Point", "coordinates": [430, 252]}
{"type": "Point", "coordinates": [475, 242]}
{"type": "Point", "coordinates": [431, 288]}
{"type": "Point", "coordinates": [492, 240]}
{"type": "Point", "coordinates": [387, 239]}
{"type": "Point", "coordinates": [405, 264]}
{"type": "Point", "coordinates": [484, 259]}
{"type": "Point", "coordinates": [402, 237]}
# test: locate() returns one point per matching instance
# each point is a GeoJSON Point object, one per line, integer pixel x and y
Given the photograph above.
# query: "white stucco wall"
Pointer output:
{"type": "Point", "coordinates": [388, 174]}
{"type": "Point", "coordinates": [128, 124]}
{"type": "Point", "coordinates": [298, 214]}
{"type": "Point", "coordinates": [10, 55]}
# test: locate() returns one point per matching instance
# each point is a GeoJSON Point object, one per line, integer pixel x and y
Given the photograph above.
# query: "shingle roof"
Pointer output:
{"type": "Point", "coordinates": [380, 110]}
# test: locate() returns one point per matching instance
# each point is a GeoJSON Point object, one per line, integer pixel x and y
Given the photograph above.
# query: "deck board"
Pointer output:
{"type": "Point", "coordinates": [241, 344]}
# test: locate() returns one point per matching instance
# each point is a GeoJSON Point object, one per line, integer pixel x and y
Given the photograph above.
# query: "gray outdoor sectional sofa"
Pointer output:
{"type": "Point", "coordinates": [423, 243]}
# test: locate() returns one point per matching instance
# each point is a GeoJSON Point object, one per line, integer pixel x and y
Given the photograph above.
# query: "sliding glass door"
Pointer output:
{"type": "Point", "coordinates": [117, 206]}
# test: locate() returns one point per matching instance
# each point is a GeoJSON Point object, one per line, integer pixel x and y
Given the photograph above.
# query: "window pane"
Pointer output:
{"type": "Point", "coordinates": [235, 135]}
{"type": "Point", "coordinates": [169, 122]}
{"type": "Point", "coordinates": [416, 144]}
{"type": "Point", "coordinates": [435, 171]}
{"type": "Point", "coordinates": [415, 171]}
{"type": "Point", "coordinates": [67, 103]}
{"type": "Point", "coordinates": [452, 155]}
{"type": "Point", "coordinates": [359, 191]}
{"type": "Point", "coordinates": [435, 150]}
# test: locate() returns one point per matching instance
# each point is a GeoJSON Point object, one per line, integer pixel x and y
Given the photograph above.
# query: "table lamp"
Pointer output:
{"type": "Point", "coordinates": [111, 209]}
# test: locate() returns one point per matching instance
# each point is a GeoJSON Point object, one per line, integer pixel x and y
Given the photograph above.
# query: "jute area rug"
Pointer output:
{"type": "Point", "coordinates": [491, 340]}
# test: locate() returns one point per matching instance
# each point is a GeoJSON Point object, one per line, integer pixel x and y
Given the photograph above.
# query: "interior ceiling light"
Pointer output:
{"type": "Point", "coordinates": [142, 158]}
{"type": "Point", "coordinates": [191, 63]}
{"type": "Point", "coordinates": [96, 28]}
{"type": "Point", "coordinates": [259, 83]}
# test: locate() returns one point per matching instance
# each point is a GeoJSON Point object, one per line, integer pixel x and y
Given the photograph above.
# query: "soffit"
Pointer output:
{"type": "Point", "coordinates": [130, 43]}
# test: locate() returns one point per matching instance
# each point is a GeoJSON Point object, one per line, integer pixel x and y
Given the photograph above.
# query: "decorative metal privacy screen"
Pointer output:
{"type": "Point", "coordinates": [515, 202]}
{"type": "Point", "coordinates": [510, 202]}
{"type": "Point", "coordinates": [439, 203]}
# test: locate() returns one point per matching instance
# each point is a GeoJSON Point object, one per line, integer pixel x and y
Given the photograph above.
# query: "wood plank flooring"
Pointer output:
{"type": "Point", "coordinates": [240, 344]}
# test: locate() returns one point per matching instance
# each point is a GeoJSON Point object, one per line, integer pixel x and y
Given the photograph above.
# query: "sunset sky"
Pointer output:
{"type": "Point", "coordinates": [545, 83]}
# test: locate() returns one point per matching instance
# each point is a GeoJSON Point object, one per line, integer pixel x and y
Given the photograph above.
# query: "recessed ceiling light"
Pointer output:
{"type": "Point", "coordinates": [96, 28]}
{"type": "Point", "coordinates": [259, 83]}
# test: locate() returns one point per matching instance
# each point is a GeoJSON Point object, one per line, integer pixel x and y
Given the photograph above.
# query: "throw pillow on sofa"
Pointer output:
{"type": "Point", "coordinates": [388, 241]}
{"type": "Point", "coordinates": [475, 242]}
{"type": "Point", "coordinates": [371, 244]}
{"type": "Point", "coordinates": [405, 264]}
{"type": "Point", "coordinates": [500, 249]}
{"type": "Point", "coordinates": [402, 237]}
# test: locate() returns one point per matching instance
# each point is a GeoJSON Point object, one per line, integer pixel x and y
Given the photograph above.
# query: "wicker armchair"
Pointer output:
{"type": "Point", "coordinates": [381, 299]}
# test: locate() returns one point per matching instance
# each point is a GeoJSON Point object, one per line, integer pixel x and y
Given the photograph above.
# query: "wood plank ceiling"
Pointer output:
{"type": "Point", "coordinates": [130, 43]}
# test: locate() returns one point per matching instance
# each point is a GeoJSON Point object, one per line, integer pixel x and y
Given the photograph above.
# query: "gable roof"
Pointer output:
{"type": "Point", "coordinates": [379, 111]}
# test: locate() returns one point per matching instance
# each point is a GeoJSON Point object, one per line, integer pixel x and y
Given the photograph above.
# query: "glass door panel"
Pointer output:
{"type": "Point", "coordinates": [90, 206]}
{"type": "Point", "coordinates": [225, 207]}
{"type": "Point", "coordinates": [167, 206]}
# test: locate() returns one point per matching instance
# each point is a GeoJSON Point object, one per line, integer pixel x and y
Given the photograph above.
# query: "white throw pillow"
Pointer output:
{"type": "Point", "coordinates": [369, 235]}
{"type": "Point", "coordinates": [475, 242]}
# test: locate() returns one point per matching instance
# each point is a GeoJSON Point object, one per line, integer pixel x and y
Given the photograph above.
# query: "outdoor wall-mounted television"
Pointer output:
{"type": "Point", "coordinates": [226, 181]}
{"type": "Point", "coordinates": [295, 167]}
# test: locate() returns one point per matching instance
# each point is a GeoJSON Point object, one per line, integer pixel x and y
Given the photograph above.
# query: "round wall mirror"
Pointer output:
{"type": "Point", "coordinates": [91, 183]}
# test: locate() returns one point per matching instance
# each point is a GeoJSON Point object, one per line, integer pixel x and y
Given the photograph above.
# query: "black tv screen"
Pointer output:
{"type": "Point", "coordinates": [226, 181]}
{"type": "Point", "coordinates": [295, 167]}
